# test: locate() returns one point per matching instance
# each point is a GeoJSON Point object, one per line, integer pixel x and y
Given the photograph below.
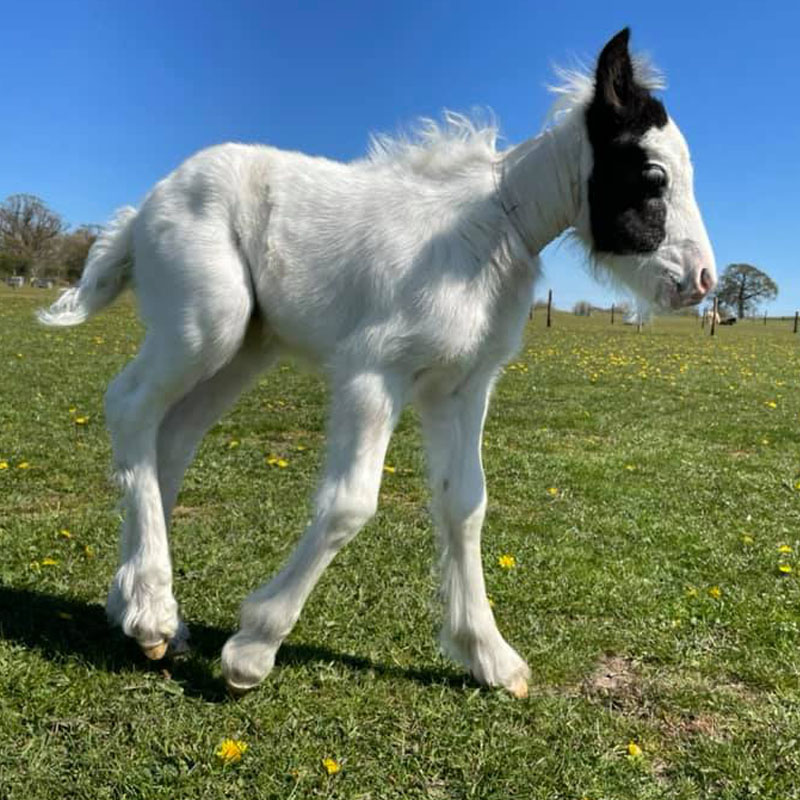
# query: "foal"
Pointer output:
{"type": "Point", "coordinates": [407, 277]}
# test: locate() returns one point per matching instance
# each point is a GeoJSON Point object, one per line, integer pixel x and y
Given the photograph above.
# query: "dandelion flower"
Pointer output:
{"type": "Point", "coordinates": [88, 551]}
{"type": "Point", "coordinates": [81, 420]}
{"type": "Point", "coordinates": [282, 463]}
{"type": "Point", "coordinates": [507, 561]}
{"type": "Point", "coordinates": [49, 562]}
{"type": "Point", "coordinates": [552, 491]}
{"type": "Point", "coordinates": [231, 750]}
{"type": "Point", "coordinates": [391, 470]}
{"type": "Point", "coordinates": [23, 465]}
{"type": "Point", "coordinates": [785, 548]}
{"type": "Point", "coordinates": [784, 568]}
{"type": "Point", "coordinates": [634, 751]}
{"type": "Point", "coordinates": [233, 443]}
{"type": "Point", "coordinates": [715, 592]}
{"type": "Point", "coordinates": [3, 464]}
{"type": "Point", "coordinates": [331, 766]}
{"type": "Point", "coordinates": [770, 404]}
{"type": "Point", "coordinates": [65, 534]}
{"type": "Point", "coordinates": [72, 409]}
{"type": "Point", "coordinates": [630, 467]}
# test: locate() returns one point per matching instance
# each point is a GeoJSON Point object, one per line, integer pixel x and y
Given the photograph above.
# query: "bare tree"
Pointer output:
{"type": "Point", "coordinates": [742, 287]}
{"type": "Point", "coordinates": [29, 231]}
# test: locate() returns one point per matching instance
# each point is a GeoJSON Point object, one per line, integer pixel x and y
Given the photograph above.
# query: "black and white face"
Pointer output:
{"type": "Point", "coordinates": [642, 223]}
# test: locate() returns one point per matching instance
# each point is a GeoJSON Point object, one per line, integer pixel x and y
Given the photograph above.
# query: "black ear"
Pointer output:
{"type": "Point", "coordinates": [615, 86]}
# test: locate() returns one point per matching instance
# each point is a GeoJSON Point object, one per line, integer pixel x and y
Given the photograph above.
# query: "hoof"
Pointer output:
{"type": "Point", "coordinates": [519, 688]}
{"type": "Point", "coordinates": [236, 691]}
{"type": "Point", "coordinates": [156, 652]}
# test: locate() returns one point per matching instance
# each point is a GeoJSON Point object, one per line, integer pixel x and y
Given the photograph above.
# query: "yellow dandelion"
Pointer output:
{"type": "Point", "coordinates": [233, 443]}
{"type": "Point", "coordinates": [81, 420]}
{"type": "Point", "coordinates": [785, 548]}
{"type": "Point", "coordinates": [797, 486]}
{"type": "Point", "coordinates": [391, 470]}
{"type": "Point", "coordinates": [272, 460]}
{"type": "Point", "coordinates": [630, 467]}
{"type": "Point", "coordinates": [231, 750]}
{"type": "Point", "coordinates": [507, 561]}
{"type": "Point", "coordinates": [282, 463]}
{"type": "Point", "coordinates": [65, 534]}
{"type": "Point", "coordinates": [747, 539]}
{"type": "Point", "coordinates": [49, 562]}
{"type": "Point", "coordinates": [331, 766]}
{"type": "Point", "coordinates": [300, 448]}
{"type": "Point", "coordinates": [634, 751]}
{"type": "Point", "coordinates": [490, 601]}
{"type": "Point", "coordinates": [3, 464]}
{"type": "Point", "coordinates": [784, 568]}
{"type": "Point", "coordinates": [552, 491]}
{"type": "Point", "coordinates": [715, 592]}
{"type": "Point", "coordinates": [770, 404]}
{"type": "Point", "coordinates": [72, 409]}
{"type": "Point", "coordinates": [23, 465]}
{"type": "Point", "coordinates": [88, 551]}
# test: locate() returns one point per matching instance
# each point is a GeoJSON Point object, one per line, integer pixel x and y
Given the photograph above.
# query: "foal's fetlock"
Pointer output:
{"type": "Point", "coordinates": [490, 660]}
{"type": "Point", "coordinates": [247, 658]}
{"type": "Point", "coordinates": [146, 613]}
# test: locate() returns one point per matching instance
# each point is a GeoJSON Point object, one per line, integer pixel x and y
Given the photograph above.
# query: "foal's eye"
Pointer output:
{"type": "Point", "coordinates": [655, 176]}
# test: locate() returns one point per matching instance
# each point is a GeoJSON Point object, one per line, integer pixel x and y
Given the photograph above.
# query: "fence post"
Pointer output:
{"type": "Point", "coordinates": [612, 313]}
{"type": "Point", "coordinates": [549, 305]}
{"type": "Point", "coordinates": [796, 314]}
{"type": "Point", "coordinates": [714, 318]}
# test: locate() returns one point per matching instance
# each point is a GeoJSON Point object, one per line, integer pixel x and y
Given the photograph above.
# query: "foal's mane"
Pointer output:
{"type": "Point", "coordinates": [434, 149]}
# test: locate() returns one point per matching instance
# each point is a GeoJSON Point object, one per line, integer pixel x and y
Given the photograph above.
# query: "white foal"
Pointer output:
{"type": "Point", "coordinates": [407, 277]}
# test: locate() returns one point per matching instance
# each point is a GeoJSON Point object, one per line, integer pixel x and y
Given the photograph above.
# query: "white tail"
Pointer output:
{"type": "Point", "coordinates": [106, 274]}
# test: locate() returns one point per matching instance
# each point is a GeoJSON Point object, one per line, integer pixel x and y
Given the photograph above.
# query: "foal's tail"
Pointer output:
{"type": "Point", "coordinates": [106, 274]}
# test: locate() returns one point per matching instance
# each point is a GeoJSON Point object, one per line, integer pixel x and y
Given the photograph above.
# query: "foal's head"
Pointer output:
{"type": "Point", "coordinates": [639, 215]}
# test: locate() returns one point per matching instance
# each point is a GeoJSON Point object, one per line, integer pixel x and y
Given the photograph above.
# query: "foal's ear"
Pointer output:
{"type": "Point", "coordinates": [615, 85]}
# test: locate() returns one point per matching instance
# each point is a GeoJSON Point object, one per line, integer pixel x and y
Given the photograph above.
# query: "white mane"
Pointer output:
{"type": "Point", "coordinates": [575, 87]}
{"type": "Point", "coordinates": [434, 149]}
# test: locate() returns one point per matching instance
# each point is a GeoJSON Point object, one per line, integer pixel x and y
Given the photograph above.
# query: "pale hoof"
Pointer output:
{"type": "Point", "coordinates": [519, 688]}
{"type": "Point", "coordinates": [236, 691]}
{"type": "Point", "coordinates": [157, 651]}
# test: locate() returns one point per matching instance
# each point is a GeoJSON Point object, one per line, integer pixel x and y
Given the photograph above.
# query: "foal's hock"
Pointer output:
{"type": "Point", "coordinates": [407, 277]}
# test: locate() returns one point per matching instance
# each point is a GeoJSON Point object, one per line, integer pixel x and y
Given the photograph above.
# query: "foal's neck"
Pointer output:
{"type": "Point", "coordinates": [539, 183]}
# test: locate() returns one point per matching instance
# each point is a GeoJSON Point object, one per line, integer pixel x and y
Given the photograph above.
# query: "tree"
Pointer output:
{"type": "Point", "coordinates": [73, 249]}
{"type": "Point", "coordinates": [742, 287]}
{"type": "Point", "coordinates": [29, 231]}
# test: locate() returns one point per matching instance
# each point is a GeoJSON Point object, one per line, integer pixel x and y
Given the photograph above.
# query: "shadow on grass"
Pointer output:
{"type": "Point", "coordinates": [64, 628]}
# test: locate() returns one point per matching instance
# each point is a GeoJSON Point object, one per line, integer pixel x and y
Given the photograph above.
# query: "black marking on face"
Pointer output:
{"type": "Point", "coordinates": [627, 209]}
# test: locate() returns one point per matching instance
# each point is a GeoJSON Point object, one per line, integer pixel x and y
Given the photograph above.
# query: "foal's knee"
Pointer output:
{"type": "Point", "coordinates": [346, 513]}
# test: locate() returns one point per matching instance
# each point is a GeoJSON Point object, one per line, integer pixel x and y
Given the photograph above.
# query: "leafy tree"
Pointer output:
{"type": "Point", "coordinates": [29, 231]}
{"type": "Point", "coordinates": [742, 287]}
{"type": "Point", "coordinates": [73, 248]}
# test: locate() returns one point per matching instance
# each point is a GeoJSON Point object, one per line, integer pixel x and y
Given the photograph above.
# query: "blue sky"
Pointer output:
{"type": "Point", "coordinates": [102, 99]}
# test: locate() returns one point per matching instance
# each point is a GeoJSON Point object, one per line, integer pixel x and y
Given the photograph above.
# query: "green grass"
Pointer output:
{"type": "Point", "coordinates": [666, 454]}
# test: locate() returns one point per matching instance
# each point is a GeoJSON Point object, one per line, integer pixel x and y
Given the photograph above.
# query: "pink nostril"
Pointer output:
{"type": "Point", "coordinates": [706, 281]}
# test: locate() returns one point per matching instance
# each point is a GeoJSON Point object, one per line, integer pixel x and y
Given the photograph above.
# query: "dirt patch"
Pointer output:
{"type": "Point", "coordinates": [614, 676]}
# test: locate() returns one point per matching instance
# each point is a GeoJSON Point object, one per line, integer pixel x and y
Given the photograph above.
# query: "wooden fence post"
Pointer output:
{"type": "Point", "coordinates": [796, 315]}
{"type": "Point", "coordinates": [765, 317]}
{"type": "Point", "coordinates": [714, 318]}
{"type": "Point", "coordinates": [612, 313]}
{"type": "Point", "coordinates": [549, 305]}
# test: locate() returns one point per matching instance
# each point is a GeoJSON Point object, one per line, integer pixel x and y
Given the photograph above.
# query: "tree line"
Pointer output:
{"type": "Point", "coordinates": [36, 242]}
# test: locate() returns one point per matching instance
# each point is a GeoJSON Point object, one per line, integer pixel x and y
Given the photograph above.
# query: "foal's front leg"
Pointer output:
{"type": "Point", "coordinates": [364, 411]}
{"type": "Point", "coordinates": [453, 427]}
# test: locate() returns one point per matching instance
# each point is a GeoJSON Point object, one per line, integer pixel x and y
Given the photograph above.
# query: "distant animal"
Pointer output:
{"type": "Point", "coordinates": [729, 321]}
{"type": "Point", "coordinates": [406, 276]}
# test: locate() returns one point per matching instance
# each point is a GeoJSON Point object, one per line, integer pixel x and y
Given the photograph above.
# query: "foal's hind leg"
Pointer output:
{"type": "Point", "coordinates": [192, 334]}
{"type": "Point", "coordinates": [453, 425]}
{"type": "Point", "coordinates": [364, 411]}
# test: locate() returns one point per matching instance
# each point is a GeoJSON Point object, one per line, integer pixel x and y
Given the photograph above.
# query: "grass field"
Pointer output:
{"type": "Point", "coordinates": [647, 485]}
